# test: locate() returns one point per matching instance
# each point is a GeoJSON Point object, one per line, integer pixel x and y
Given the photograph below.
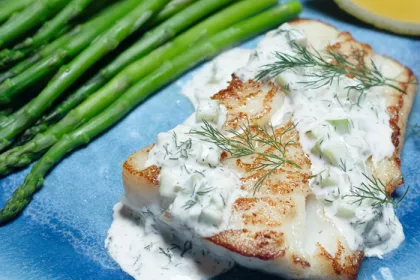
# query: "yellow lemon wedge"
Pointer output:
{"type": "Point", "coordinates": [399, 16]}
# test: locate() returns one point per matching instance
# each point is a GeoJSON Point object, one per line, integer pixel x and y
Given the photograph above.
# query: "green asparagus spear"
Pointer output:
{"type": "Point", "coordinates": [96, 25]}
{"type": "Point", "coordinates": [68, 104]}
{"type": "Point", "coordinates": [152, 39]}
{"type": "Point", "coordinates": [9, 7]}
{"type": "Point", "coordinates": [10, 57]}
{"type": "Point", "coordinates": [45, 34]}
{"type": "Point", "coordinates": [79, 38]}
{"type": "Point", "coordinates": [30, 133]}
{"type": "Point", "coordinates": [166, 73]}
{"type": "Point", "coordinates": [23, 155]}
{"type": "Point", "coordinates": [4, 114]}
{"type": "Point", "coordinates": [71, 72]}
{"type": "Point", "coordinates": [29, 18]}
{"type": "Point", "coordinates": [50, 64]}
{"type": "Point", "coordinates": [42, 53]}
{"type": "Point", "coordinates": [47, 31]}
{"type": "Point", "coordinates": [171, 9]}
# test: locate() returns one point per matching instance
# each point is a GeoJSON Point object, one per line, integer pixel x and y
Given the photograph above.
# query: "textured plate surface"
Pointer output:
{"type": "Point", "coordinates": [61, 234]}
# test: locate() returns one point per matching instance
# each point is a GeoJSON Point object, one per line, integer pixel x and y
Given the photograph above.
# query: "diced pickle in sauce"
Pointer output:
{"type": "Point", "coordinates": [340, 126]}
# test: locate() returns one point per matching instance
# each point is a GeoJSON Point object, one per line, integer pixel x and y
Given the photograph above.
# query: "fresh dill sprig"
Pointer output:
{"type": "Point", "coordinates": [203, 192]}
{"type": "Point", "coordinates": [189, 204]}
{"type": "Point", "coordinates": [223, 199]}
{"type": "Point", "coordinates": [272, 161]}
{"type": "Point", "coordinates": [317, 174]}
{"type": "Point", "coordinates": [241, 147]}
{"type": "Point", "coordinates": [258, 185]}
{"type": "Point", "coordinates": [166, 252]}
{"type": "Point", "coordinates": [329, 68]}
{"type": "Point", "coordinates": [200, 172]}
{"type": "Point", "coordinates": [182, 147]}
{"type": "Point", "coordinates": [374, 190]}
{"type": "Point", "coordinates": [286, 62]}
{"type": "Point", "coordinates": [148, 247]}
{"type": "Point", "coordinates": [342, 165]}
{"type": "Point", "coordinates": [244, 144]}
{"type": "Point", "coordinates": [196, 193]}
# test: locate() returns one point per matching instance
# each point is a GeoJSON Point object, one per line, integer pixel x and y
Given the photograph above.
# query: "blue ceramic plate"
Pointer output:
{"type": "Point", "coordinates": [61, 234]}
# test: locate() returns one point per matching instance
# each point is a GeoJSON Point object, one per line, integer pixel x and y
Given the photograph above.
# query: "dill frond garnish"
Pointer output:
{"type": "Point", "coordinates": [223, 199]}
{"type": "Point", "coordinates": [374, 190]}
{"type": "Point", "coordinates": [328, 69]}
{"type": "Point", "coordinates": [195, 195]}
{"type": "Point", "coordinates": [241, 147]}
{"type": "Point", "coordinates": [148, 247]}
{"type": "Point", "coordinates": [166, 252]}
{"type": "Point", "coordinates": [286, 62]}
{"type": "Point", "coordinates": [203, 192]}
{"type": "Point", "coordinates": [244, 144]}
{"type": "Point", "coordinates": [342, 165]}
{"type": "Point", "coordinates": [317, 174]}
{"type": "Point", "coordinates": [200, 172]}
{"type": "Point", "coordinates": [182, 147]}
{"type": "Point", "coordinates": [189, 204]}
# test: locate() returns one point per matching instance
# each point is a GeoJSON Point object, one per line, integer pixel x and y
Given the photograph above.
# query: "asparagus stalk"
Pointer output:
{"type": "Point", "coordinates": [72, 101]}
{"type": "Point", "coordinates": [77, 97]}
{"type": "Point", "coordinates": [10, 57]}
{"type": "Point", "coordinates": [46, 33]}
{"type": "Point", "coordinates": [93, 25]}
{"type": "Point", "coordinates": [49, 29]}
{"type": "Point", "coordinates": [29, 134]}
{"type": "Point", "coordinates": [155, 80]}
{"type": "Point", "coordinates": [42, 53]}
{"type": "Point", "coordinates": [23, 155]}
{"type": "Point", "coordinates": [9, 7]}
{"type": "Point", "coordinates": [29, 18]}
{"type": "Point", "coordinates": [4, 114]}
{"type": "Point", "coordinates": [173, 7]}
{"type": "Point", "coordinates": [150, 41]}
{"type": "Point", "coordinates": [49, 64]}
{"type": "Point", "coordinates": [71, 72]}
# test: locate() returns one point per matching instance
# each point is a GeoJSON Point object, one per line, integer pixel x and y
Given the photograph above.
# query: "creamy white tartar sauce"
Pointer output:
{"type": "Point", "coordinates": [147, 249]}
{"type": "Point", "coordinates": [198, 192]}
{"type": "Point", "coordinates": [162, 241]}
{"type": "Point", "coordinates": [339, 138]}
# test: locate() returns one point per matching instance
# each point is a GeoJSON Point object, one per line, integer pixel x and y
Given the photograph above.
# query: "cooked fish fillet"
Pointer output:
{"type": "Point", "coordinates": [281, 228]}
{"type": "Point", "coordinates": [269, 229]}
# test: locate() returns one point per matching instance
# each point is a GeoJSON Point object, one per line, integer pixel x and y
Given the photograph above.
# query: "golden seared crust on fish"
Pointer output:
{"type": "Point", "coordinates": [140, 183]}
{"type": "Point", "coordinates": [249, 102]}
{"type": "Point", "coordinates": [280, 227]}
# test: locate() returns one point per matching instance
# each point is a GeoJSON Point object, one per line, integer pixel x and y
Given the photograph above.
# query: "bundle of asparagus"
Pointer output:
{"type": "Point", "coordinates": [79, 34]}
